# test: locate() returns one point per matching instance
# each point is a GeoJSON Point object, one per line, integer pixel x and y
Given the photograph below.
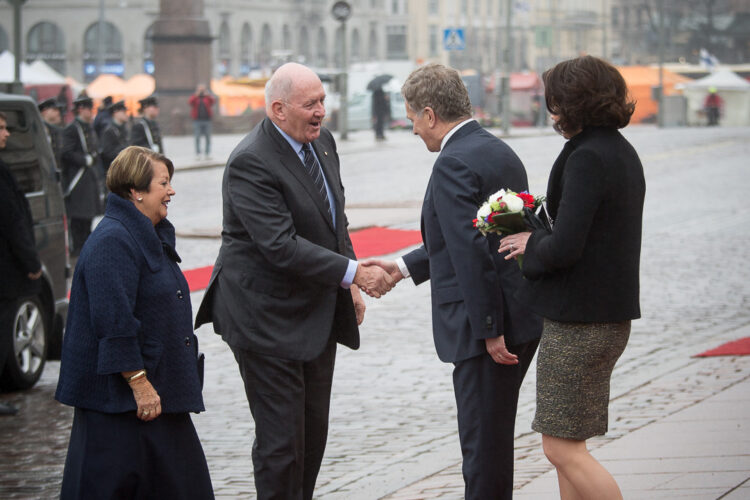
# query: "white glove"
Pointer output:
{"type": "Point", "coordinates": [89, 160]}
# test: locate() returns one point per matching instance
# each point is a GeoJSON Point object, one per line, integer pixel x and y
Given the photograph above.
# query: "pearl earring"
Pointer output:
{"type": "Point", "coordinates": [140, 198]}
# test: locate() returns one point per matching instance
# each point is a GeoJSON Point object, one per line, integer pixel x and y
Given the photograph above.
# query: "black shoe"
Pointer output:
{"type": "Point", "coordinates": [6, 409]}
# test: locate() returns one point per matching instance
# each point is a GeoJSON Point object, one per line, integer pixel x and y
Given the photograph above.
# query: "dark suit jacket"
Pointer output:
{"type": "Point", "coordinates": [472, 285]}
{"type": "Point", "coordinates": [18, 256]}
{"type": "Point", "coordinates": [586, 269]}
{"type": "Point", "coordinates": [275, 288]}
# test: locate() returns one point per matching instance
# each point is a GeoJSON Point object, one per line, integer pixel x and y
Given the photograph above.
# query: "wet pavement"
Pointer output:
{"type": "Point", "coordinates": [393, 432]}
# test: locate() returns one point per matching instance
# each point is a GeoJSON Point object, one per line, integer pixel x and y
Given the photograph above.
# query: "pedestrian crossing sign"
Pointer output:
{"type": "Point", "coordinates": [453, 39]}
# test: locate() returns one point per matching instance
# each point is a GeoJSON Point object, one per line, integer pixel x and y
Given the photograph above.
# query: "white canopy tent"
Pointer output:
{"type": "Point", "coordinates": [733, 90]}
{"type": "Point", "coordinates": [36, 73]}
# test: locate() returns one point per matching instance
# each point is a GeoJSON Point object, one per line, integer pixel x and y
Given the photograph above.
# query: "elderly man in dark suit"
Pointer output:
{"type": "Point", "coordinates": [477, 324]}
{"type": "Point", "coordinates": [284, 290]}
{"type": "Point", "coordinates": [20, 266]}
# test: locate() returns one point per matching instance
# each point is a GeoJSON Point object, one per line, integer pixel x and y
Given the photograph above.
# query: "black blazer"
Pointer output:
{"type": "Point", "coordinates": [18, 256]}
{"type": "Point", "coordinates": [586, 269]}
{"type": "Point", "coordinates": [275, 288]}
{"type": "Point", "coordinates": [472, 285]}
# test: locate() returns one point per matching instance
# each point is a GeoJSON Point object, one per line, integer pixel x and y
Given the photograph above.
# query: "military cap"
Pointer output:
{"type": "Point", "coordinates": [83, 101]}
{"type": "Point", "coordinates": [119, 105]}
{"type": "Point", "coordinates": [52, 102]}
{"type": "Point", "coordinates": [149, 101]}
{"type": "Point", "coordinates": [106, 102]}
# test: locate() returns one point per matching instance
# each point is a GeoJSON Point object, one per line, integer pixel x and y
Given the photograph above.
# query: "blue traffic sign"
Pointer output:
{"type": "Point", "coordinates": [453, 39]}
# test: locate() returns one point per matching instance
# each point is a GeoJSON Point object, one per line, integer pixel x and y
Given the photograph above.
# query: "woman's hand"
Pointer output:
{"type": "Point", "coordinates": [515, 244]}
{"type": "Point", "coordinates": [147, 399]}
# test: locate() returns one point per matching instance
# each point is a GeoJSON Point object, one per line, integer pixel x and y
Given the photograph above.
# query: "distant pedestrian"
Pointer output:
{"type": "Point", "coordinates": [130, 363]}
{"type": "Point", "coordinates": [381, 112]}
{"type": "Point", "coordinates": [103, 116]}
{"type": "Point", "coordinates": [146, 131]}
{"type": "Point", "coordinates": [51, 111]}
{"type": "Point", "coordinates": [201, 111]}
{"type": "Point", "coordinates": [20, 267]}
{"type": "Point", "coordinates": [81, 173]}
{"type": "Point", "coordinates": [713, 105]}
{"type": "Point", "coordinates": [583, 275]}
{"type": "Point", "coordinates": [115, 137]}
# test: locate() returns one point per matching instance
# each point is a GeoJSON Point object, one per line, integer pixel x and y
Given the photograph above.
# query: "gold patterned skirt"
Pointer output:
{"type": "Point", "coordinates": [573, 370]}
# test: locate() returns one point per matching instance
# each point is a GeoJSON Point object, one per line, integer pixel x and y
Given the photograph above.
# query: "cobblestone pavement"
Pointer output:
{"type": "Point", "coordinates": [393, 429]}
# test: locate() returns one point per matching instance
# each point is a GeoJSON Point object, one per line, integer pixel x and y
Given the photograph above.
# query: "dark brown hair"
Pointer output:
{"type": "Point", "coordinates": [587, 92]}
{"type": "Point", "coordinates": [133, 168]}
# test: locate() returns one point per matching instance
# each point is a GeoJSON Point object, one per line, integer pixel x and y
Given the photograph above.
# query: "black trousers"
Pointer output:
{"type": "Point", "coordinates": [487, 400]}
{"type": "Point", "coordinates": [80, 229]}
{"type": "Point", "coordinates": [289, 401]}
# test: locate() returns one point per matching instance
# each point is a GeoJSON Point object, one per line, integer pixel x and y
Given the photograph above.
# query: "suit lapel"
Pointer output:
{"type": "Point", "coordinates": [292, 162]}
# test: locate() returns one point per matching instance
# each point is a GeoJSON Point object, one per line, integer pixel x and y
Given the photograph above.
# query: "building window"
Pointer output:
{"type": "Point", "coordinates": [338, 48]}
{"type": "Point", "coordinates": [111, 51]}
{"type": "Point", "coordinates": [266, 45]}
{"type": "Point", "coordinates": [148, 50]}
{"type": "Point", "coordinates": [45, 41]}
{"type": "Point", "coordinates": [395, 41]}
{"type": "Point", "coordinates": [433, 7]}
{"type": "Point", "coordinates": [356, 51]}
{"type": "Point", "coordinates": [322, 48]}
{"type": "Point", "coordinates": [615, 17]}
{"type": "Point", "coordinates": [433, 41]}
{"type": "Point", "coordinates": [286, 38]}
{"type": "Point", "coordinates": [225, 50]}
{"type": "Point", "coordinates": [247, 61]}
{"type": "Point", "coordinates": [304, 45]}
{"type": "Point", "coordinates": [3, 40]}
{"type": "Point", "coordinates": [372, 52]}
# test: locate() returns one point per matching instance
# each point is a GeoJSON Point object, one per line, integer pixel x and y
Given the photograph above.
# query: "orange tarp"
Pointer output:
{"type": "Point", "coordinates": [640, 80]}
{"type": "Point", "coordinates": [236, 98]}
{"type": "Point", "coordinates": [131, 91]}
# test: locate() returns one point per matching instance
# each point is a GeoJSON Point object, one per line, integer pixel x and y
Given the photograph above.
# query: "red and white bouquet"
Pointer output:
{"type": "Point", "coordinates": [507, 212]}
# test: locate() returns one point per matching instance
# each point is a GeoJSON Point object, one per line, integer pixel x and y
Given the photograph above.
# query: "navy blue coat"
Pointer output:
{"type": "Point", "coordinates": [129, 309]}
{"type": "Point", "coordinates": [472, 285]}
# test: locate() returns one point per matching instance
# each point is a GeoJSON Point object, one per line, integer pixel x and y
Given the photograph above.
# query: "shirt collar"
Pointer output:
{"type": "Point", "coordinates": [296, 146]}
{"type": "Point", "coordinates": [453, 131]}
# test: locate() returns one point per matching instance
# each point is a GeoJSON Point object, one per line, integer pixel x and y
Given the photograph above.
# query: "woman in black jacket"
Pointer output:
{"type": "Point", "coordinates": [582, 276]}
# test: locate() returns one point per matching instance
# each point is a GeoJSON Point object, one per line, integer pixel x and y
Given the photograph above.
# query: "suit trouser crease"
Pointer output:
{"type": "Point", "coordinates": [289, 401]}
{"type": "Point", "coordinates": [487, 400]}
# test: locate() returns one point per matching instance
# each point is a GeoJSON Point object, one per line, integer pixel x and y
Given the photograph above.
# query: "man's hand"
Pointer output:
{"type": "Point", "coordinates": [500, 354]}
{"type": "Point", "coordinates": [36, 275]}
{"type": "Point", "coordinates": [373, 280]}
{"type": "Point", "coordinates": [359, 304]}
{"type": "Point", "coordinates": [388, 266]}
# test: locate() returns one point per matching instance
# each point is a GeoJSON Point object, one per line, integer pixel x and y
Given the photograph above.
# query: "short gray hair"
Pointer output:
{"type": "Point", "coordinates": [439, 88]}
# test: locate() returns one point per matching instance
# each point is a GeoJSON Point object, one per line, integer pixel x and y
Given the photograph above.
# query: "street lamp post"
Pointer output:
{"type": "Point", "coordinates": [507, 68]}
{"type": "Point", "coordinates": [17, 86]}
{"type": "Point", "coordinates": [341, 11]}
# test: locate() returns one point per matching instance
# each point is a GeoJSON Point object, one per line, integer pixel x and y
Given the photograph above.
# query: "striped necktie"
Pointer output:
{"type": "Point", "coordinates": [313, 168]}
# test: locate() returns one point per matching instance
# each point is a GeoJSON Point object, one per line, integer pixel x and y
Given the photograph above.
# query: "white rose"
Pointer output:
{"type": "Point", "coordinates": [497, 195]}
{"type": "Point", "coordinates": [513, 202]}
{"type": "Point", "coordinates": [484, 211]}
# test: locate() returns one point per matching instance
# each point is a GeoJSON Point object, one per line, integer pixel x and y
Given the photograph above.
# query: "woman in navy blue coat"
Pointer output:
{"type": "Point", "coordinates": [583, 275]}
{"type": "Point", "coordinates": [129, 360]}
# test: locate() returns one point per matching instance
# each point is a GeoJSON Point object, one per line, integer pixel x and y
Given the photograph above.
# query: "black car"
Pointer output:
{"type": "Point", "coordinates": [39, 319]}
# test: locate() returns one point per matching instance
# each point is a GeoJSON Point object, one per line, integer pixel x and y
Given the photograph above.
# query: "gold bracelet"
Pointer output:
{"type": "Point", "coordinates": [136, 376]}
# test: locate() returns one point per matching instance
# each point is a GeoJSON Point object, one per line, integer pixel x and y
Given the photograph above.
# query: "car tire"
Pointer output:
{"type": "Point", "coordinates": [26, 360]}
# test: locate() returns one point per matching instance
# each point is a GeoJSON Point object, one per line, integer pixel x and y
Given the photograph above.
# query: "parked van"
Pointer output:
{"type": "Point", "coordinates": [40, 319]}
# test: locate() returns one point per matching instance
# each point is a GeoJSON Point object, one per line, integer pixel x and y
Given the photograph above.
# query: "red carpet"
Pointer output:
{"type": "Point", "coordinates": [367, 243]}
{"type": "Point", "coordinates": [739, 347]}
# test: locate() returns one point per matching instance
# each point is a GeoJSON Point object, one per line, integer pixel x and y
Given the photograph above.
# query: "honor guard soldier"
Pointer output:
{"type": "Point", "coordinates": [81, 174]}
{"type": "Point", "coordinates": [51, 112]}
{"type": "Point", "coordinates": [115, 136]}
{"type": "Point", "coordinates": [103, 117]}
{"type": "Point", "coordinates": [145, 131]}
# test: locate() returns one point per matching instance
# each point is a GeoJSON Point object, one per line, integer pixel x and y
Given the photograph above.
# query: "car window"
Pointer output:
{"type": "Point", "coordinates": [20, 154]}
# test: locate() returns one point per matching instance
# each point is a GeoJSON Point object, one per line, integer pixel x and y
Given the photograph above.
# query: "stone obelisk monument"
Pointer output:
{"type": "Point", "coordinates": [182, 60]}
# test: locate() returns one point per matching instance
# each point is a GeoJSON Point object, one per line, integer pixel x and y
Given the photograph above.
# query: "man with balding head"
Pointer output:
{"type": "Point", "coordinates": [286, 285]}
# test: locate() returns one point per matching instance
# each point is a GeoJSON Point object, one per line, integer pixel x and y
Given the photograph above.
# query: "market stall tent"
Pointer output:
{"type": "Point", "coordinates": [640, 81]}
{"type": "Point", "coordinates": [733, 90]}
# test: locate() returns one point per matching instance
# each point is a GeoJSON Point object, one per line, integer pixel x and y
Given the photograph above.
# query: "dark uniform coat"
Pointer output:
{"type": "Point", "coordinates": [83, 200]}
{"type": "Point", "coordinates": [54, 134]}
{"type": "Point", "coordinates": [113, 140]}
{"type": "Point", "coordinates": [146, 133]}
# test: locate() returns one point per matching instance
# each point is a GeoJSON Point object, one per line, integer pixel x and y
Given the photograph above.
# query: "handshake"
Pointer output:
{"type": "Point", "coordinates": [376, 277]}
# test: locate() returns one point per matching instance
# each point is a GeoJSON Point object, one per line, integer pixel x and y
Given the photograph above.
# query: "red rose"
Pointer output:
{"type": "Point", "coordinates": [528, 200]}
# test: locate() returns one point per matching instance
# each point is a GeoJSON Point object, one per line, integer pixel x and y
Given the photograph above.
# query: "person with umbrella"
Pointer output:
{"type": "Point", "coordinates": [381, 105]}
